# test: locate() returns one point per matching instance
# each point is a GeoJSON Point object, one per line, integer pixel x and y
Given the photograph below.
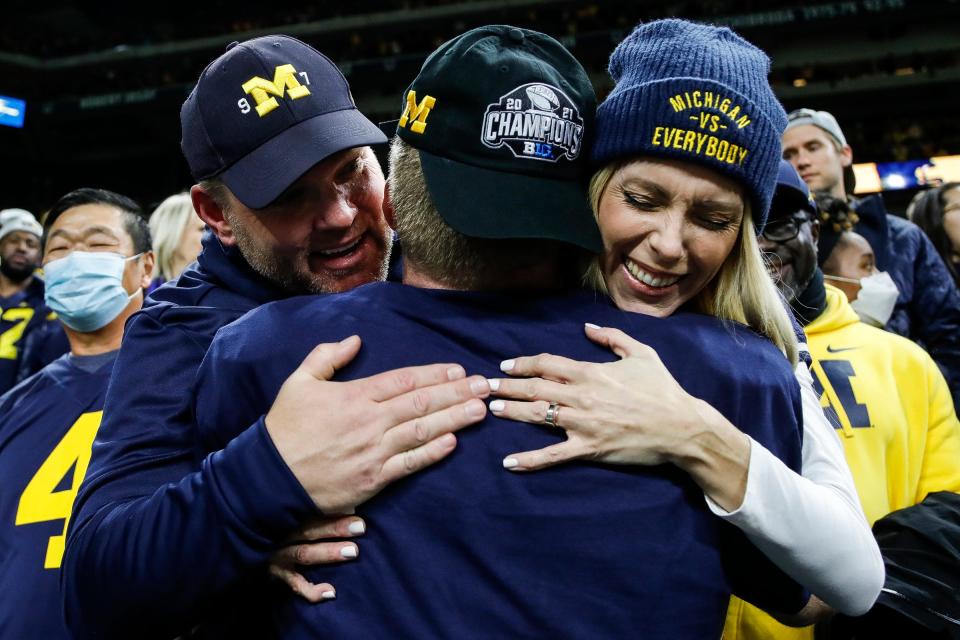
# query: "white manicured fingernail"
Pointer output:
{"type": "Point", "coordinates": [357, 527]}
{"type": "Point", "coordinates": [494, 384]}
{"type": "Point", "coordinates": [328, 595]}
{"type": "Point", "coordinates": [479, 386]}
{"type": "Point", "coordinates": [507, 365]}
{"type": "Point", "coordinates": [455, 373]}
{"type": "Point", "coordinates": [510, 463]}
{"type": "Point", "coordinates": [591, 325]}
{"type": "Point", "coordinates": [497, 406]}
{"type": "Point", "coordinates": [348, 551]}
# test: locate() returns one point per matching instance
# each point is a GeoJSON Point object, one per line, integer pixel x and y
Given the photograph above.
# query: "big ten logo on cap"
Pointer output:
{"type": "Point", "coordinates": [262, 90]}
{"type": "Point", "coordinates": [416, 112]}
{"type": "Point", "coordinates": [534, 121]}
{"type": "Point", "coordinates": [711, 113]}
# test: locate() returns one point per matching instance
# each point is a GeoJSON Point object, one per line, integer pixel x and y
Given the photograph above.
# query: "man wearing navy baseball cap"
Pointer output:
{"type": "Point", "coordinates": [293, 198]}
{"type": "Point", "coordinates": [264, 113]}
{"type": "Point", "coordinates": [275, 141]}
{"type": "Point", "coordinates": [487, 193]}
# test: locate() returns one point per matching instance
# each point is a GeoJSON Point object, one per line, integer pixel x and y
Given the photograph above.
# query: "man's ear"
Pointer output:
{"type": "Point", "coordinates": [388, 213]}
{"type": "Point", "coordinates": [846, 156]}
{"type": "Point", "coordinates": [815, 230]}
{"type": "Point", "coordinates": [211, 213]}
{"type": "Point", "coordinates": [148, 262]}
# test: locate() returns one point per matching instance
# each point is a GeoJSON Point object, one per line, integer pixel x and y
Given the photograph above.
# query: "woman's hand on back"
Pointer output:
{"type": "Point", "coordinates": [631, 411]}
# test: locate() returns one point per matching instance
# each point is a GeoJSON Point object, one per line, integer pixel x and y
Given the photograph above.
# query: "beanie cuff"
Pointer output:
{"type": "Point", "coordinates": [694, 120]}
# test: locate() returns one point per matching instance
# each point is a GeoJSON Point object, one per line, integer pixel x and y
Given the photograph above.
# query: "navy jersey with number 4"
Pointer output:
{"type": "Point", "coordinates": [47, 427]}
{"type": "Point", "coordinates": [467, 549]}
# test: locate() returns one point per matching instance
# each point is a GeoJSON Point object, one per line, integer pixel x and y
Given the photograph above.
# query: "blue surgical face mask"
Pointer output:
{"type": "Point", "coordinates": [86, 288]}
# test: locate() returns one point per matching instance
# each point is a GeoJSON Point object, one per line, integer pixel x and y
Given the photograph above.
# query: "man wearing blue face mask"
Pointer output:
{"type": "Point", "coordinates": [97, 260]}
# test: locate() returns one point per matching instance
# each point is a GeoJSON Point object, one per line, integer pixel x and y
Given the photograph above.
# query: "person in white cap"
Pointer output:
{"type": "Point", "coordinates": [927, 309]}
{"type": "Point", "coordinates": [19, 251]}
{"type": "Point", "coordinates": [22, 310]}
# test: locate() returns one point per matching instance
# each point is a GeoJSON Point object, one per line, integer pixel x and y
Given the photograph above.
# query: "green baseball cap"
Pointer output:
{"type": "Point", "coordinates": [501, 117]}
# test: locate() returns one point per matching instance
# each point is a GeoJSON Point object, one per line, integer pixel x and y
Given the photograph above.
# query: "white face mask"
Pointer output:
{"type": "Point", "coordinates": [877, 298]}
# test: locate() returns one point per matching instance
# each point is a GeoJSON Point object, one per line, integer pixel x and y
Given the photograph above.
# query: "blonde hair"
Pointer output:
{"type": "Point", "coordinates": [444, 254]}
{"type": "Point", "coordinates": [742, 290]}
{"type": "Point", "coordinates": [167, 223]}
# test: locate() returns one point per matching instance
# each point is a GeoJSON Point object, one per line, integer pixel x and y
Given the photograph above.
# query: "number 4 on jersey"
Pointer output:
{"type": "Point", "coordinates": [41, 501]}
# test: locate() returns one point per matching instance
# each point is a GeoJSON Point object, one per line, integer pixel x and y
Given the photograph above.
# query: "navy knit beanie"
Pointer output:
{"type": "Point", "coordinates": [697, 93]}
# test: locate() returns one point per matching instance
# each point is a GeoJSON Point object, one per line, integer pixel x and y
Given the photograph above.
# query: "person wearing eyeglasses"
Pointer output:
{"type": "Point", "coordinates": [937, 212]}
{"type": "Point", "coordinates": [690, 215]}
{"type": "Point", "coordinates": [884, 395]}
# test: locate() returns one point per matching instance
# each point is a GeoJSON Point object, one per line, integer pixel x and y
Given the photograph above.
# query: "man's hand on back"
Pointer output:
{"type": "Point", "coordinates": [346, 441]}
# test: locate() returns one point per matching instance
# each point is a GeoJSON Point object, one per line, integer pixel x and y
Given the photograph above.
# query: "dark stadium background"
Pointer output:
{"type": "Point", "coordinates": [104, 81]}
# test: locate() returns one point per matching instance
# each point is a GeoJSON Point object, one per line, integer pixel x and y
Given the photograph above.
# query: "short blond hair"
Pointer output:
{"type": "Point", "coordinates": [742, 290]}
{"type": "Point", "coordinates": [167, 223]}
{"type": "Point", "coordinates": [448, 256]}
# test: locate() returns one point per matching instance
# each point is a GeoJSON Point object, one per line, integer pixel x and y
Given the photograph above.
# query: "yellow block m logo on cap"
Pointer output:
{"type": "Point", "coordinates": [417, 112]}
{"type": "Point", "coordinates": [284, 80]}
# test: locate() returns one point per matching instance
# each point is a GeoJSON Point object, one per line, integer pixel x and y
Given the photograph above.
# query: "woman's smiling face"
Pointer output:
{"type": "Point", "coordinates": [667, 227]}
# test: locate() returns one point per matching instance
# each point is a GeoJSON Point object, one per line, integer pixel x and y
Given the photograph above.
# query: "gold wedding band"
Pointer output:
{"type": "Point", "coordinates": [553, 414]}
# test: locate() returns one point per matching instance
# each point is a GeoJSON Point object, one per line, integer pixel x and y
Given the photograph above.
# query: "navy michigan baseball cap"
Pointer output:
{"type": "Point", "coordinates": [501, 118]}
{"type": "Point", "coordinates": [792, 194]}
{"type": "Point", "coordinates": [266, 111]}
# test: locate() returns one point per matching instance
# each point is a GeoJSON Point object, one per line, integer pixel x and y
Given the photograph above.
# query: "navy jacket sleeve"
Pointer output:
{"type": "Point", "coordinates": [935, 305]}
{"type": "Point", "coordinates": [241, 376]}
{"type": "Point", "coordinates": [161, 529]}
{"type": "Point", "coordinates": [43, 345]}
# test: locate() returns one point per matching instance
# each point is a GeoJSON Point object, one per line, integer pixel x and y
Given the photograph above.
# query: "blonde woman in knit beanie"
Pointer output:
{"type": "Point", "coordinates": [687, 152]}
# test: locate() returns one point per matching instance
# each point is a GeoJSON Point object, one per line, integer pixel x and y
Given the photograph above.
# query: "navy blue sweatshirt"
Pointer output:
{"type": "Point", "coordinates": [466, 549]}
{"type": "Point", "coordinates": [47, 425]}
{"type": "Point", "coordinates": [148, 473]}
{"type": "Point", "coordinates": [30, 335]}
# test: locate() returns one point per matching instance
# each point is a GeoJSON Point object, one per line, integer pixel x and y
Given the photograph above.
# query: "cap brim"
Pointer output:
{"type": "Point", "coordinates": [787, 201]}
{"type": "Point", "coordinates": [262, 175]}
{"type": "Point", "coordinates": [482, 203]}
{"type": "Point", "coordinates": [389, 127]}
{"type": "Point", "coordinates": [33, 229]}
